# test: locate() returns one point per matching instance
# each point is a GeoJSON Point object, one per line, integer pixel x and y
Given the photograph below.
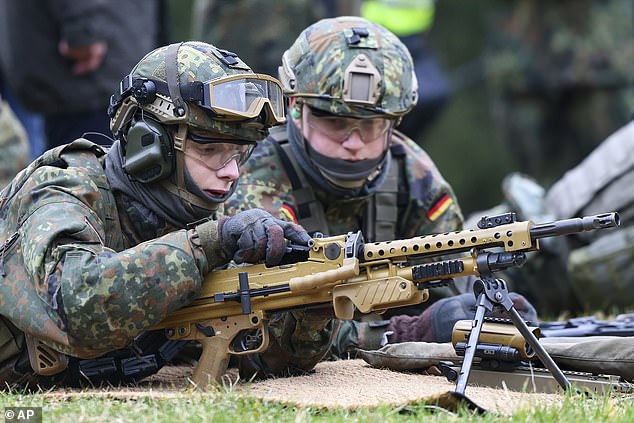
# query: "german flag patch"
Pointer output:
{"type": "Point", "coordinates": [439, 207]}
{"type": "Point", "coordinates": [289, 213]}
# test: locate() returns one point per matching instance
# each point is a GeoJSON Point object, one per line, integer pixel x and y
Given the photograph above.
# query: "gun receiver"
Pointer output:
{"type": "Point", "coordinates": [351, 275]}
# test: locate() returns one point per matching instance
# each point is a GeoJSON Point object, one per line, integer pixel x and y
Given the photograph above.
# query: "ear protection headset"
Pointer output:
{"type": "Point", "coordinates": [149, 155]}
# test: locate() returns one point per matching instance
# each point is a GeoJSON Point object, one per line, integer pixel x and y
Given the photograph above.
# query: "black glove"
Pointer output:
{"type": "Point", "coordinates": [436, 323]}
{"type": "Point", "coordinates": [255, 234]}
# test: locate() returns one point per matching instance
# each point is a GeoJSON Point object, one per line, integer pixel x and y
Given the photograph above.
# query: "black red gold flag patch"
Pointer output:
{"type": "Point", "coordinates": [289, 213]}
{"type": "Point", "coordinates": [439, 207]}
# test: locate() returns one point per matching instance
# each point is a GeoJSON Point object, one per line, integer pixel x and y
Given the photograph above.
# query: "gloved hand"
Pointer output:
{"type": "Point", "coordinates": [436, 323]}
{"type": "Point", "coordinates": [255, 234]}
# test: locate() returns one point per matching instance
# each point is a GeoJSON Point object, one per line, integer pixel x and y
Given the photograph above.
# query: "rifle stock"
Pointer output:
{"type": "Point", "coordinates": [350, 274]}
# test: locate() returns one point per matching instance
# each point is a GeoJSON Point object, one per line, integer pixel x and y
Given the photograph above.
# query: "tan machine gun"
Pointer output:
{"type": "Point", "coordinates": [353, 275]}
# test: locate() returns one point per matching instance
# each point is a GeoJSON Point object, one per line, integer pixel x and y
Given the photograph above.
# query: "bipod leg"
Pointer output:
{"type": "Point", "coordinates": [543, 355]}
{"type": "Point", "coordinates": [483, 303]}
{"type": "Point", "coordinates": [498, 294]}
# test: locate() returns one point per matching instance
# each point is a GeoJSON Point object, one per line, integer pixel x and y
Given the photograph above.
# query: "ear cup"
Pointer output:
{"type": "Point", "coordinates": [148, 151]}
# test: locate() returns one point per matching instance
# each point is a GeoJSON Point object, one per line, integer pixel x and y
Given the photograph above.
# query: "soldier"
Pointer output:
{"type": "Point", "coordinates": [339, 165]}
{"type": "Point", "coordinates": [97, 246]}
{"type": "Point", "coordinates": [13, 144]}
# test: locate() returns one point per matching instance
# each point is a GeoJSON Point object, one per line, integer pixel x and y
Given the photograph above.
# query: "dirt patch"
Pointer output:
{"type": "Point", "coordinates": [353, 383]}
{"type": "Point", "coordinates": [334, 384]}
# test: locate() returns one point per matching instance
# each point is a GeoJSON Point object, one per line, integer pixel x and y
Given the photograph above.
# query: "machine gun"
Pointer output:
{"type": "Point", "coordinates": [622, 325]}
{"type": "Point", "coordinates": [353, 275]}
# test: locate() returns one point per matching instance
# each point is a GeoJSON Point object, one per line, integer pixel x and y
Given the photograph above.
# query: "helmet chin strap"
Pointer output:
{"type": "Point", "coordinates": [180, 188]}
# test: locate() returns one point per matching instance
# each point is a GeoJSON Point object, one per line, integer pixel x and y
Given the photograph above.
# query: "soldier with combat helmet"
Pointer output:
{"type": "Point", "coordinates": [339, 165]}
{"type": "Point", "coordinates": [98, 246]}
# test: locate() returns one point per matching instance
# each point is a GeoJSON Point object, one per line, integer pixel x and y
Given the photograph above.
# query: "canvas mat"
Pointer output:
{"type": "Point", "coordinates": [334, 384]}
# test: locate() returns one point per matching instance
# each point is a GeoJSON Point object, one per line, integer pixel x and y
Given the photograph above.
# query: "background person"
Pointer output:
{"type": "Point", "coordinates": [63, 58]}
{"type": "Point", "coordinates": [411, 21]}
{"type": "Point", "coordinates": [14, 145]}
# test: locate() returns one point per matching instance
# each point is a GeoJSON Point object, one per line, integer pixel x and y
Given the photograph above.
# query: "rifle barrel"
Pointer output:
{"type": "Point", "coordinates": [575, 225]}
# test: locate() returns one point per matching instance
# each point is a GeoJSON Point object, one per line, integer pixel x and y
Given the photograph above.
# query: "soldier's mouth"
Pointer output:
{"type": "Point", "coordinates": [215, 193]}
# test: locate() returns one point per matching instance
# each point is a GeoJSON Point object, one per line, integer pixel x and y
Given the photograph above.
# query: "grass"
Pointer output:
{"type": "Point", "coordinates": [227, 406]}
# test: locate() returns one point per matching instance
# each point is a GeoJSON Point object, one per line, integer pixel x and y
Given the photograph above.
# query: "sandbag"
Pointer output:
{"type": "Point", "coordinates": [409, 355]}
{"type": "Point", "coordinates": [612, 355]}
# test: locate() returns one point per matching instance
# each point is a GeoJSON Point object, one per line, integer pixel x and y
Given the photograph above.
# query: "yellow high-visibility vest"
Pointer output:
{"type": "Point", "coordinates": [402, 17]}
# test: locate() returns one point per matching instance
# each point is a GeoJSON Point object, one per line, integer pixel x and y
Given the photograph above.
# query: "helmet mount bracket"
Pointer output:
{"type": "Point", "coordinates": [362, 81]}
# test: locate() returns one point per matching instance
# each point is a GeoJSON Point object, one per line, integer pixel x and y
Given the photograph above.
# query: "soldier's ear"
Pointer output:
{"type": "Point", "coordinates": [296, 109]}
{"type": "Point", "coordinates": [296, 112]}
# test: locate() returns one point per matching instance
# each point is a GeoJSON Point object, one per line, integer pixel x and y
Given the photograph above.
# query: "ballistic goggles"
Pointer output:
{"type": "Point", "coordinates": [339, 128]}
{"type": "Point", "coordinates": [216, 153]}
{"type": "Point", "coordinates": [235, 97]}
{"type": "Point", "coordinates": [244, 97]}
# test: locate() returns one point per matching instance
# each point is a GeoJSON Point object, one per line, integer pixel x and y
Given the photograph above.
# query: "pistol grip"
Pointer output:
{"type": "Point", "coordinates": [213, 361]}
{"type": "Point", "coordinates": [216, 338]}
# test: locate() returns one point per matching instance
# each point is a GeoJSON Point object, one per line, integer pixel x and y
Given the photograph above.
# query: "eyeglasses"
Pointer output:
{"type": "Point", "coordinates": [244, 96]}
{"type": "Point", "coordinates": [340, 128]}
{"type": "Point", "coordinates": [216, 153]}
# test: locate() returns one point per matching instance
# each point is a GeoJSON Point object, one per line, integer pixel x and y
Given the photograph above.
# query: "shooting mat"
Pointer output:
{"type": "Point", "coordinates": [334, 384]}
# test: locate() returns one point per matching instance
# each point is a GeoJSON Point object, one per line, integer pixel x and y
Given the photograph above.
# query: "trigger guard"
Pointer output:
{"type": "Point", "coordinates": [264, 344]}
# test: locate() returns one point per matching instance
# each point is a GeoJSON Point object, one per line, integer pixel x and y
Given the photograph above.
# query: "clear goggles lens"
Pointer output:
{"type": "Point", "coordinates": [243, 97]}
{"type": "Point", "coordinates": [216, 153]}
{"type": "Point", "coordinates": [340, 128]}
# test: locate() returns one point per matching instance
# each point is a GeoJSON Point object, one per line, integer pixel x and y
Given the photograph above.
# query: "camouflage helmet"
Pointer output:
{"type": "Point", "coordinates": [197, 63]}
{"type": "Point", "coordinates": [185, 86]}
{"type": "Point", "coordinates": [350, 66]}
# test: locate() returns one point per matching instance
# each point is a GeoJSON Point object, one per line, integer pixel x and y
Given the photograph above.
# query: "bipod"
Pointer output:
{"type": "Point", "coordinates": [492, 293]}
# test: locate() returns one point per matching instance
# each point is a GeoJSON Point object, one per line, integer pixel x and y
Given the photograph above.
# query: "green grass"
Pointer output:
{"type": "Point", "coordinates": [227, 406]}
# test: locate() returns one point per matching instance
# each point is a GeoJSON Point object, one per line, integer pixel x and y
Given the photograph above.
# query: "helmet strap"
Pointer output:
{"type": "Point", "coordinates": [180, 187]}
{"type": "Point", "coordinates": [173, 85]}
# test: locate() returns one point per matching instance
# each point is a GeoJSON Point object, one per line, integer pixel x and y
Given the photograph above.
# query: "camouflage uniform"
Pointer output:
{"type": "Point", "coordinates": [92, 255]}
{"type": "Point", "coordinates": [13, 144]}
{"type": "Point", "coordinates": [599, 265]}
{"type": "Point", "coordinates": [265, 183]}
{"type": "Point", "coordinates": [586, 272]}
{"type": "Point", "coordinates": [76, 270]}
{"type": "Point", "coordinates": [561, 79]}
{"type": "Point", "coordinates": [418, 201]}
